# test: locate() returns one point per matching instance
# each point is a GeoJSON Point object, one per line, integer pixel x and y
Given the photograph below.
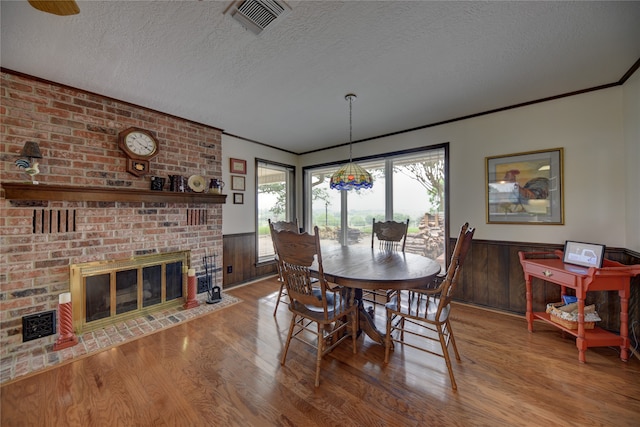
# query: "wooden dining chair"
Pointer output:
{"type": "Point", "coordinates": [391, 236]}
{"type": "Point", "coordinates": [280, 226]}
{"type": "Point", "coordinates": [332, 309]}
{"type": "Point", "coordinates": [421, 316]}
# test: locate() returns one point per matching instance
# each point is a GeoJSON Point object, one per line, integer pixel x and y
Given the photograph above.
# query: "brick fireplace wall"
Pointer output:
{"type": "Point", "coordinates": [77, 134]}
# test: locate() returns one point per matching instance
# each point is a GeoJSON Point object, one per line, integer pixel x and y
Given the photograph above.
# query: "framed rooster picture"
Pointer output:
{"type": "Point", "coordinates": [525, 188]}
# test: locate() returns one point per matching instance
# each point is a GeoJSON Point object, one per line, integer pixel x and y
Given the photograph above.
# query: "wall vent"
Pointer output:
{"type": "Point", "coordinates": [50, 221]}
{"type": "Point", "coordinates": [39, 325]}
{"type": "Point", "coordinates": [196, 216]}
{"type": "Point", "coordinates": [258, 15]}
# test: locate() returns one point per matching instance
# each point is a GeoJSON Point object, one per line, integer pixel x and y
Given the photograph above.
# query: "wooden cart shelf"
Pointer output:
{"type": "Point", "coordinates": [613, 276]}
{"type": "Point", "coordinates": [28, 191]}
{"type": "Point", "coordinates": [605, 338]}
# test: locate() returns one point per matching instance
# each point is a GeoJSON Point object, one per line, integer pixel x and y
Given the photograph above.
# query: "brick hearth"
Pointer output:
{"type": "Point", "coordinates": [43, 357]}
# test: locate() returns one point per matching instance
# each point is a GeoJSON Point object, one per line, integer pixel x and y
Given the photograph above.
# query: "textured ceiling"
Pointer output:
{"type": "Point", "coordinates": [411, 64]}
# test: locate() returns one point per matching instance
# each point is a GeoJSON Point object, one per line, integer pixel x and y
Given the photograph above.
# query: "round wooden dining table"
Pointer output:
{"type": "Point", "coordinates": [361, 268]}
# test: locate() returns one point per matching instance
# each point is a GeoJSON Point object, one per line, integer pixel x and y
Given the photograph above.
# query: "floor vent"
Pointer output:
{"type": "Point", "coordinates": [203, 285]}
{"type": "Point", "coordinates": [257, 15]}
{"type": "Point", "coordinates": [38, 325]}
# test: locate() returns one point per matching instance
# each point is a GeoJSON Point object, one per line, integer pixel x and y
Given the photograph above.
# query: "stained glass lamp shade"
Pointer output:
{"type": "Point", "coordinates": [350, 176]}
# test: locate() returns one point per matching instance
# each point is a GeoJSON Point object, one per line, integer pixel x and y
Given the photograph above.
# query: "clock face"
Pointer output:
{"type": "Point", "coordinates": [140, 143]}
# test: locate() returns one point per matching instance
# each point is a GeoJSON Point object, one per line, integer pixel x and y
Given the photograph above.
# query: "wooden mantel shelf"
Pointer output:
{"type": "Point", "coordinates": [28, 191]}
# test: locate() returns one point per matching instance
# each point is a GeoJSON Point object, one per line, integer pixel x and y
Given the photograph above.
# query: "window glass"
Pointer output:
{"type": "Point", "coordinates": [275, 189]}
{"type": "Point", "coordinates": [325, 205]}
{"type": "Point", "coordinates": [405, 186]}
{"type": "Point", "coordinates": [418, 194]}
{"type": "Point", "coordinates": [366, 204]}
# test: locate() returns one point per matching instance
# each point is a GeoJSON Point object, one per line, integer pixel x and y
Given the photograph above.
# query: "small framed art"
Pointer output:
{"type": "Point", "coordinates": [584, 254]}
{"type": "Point", "coordinates": [525, 188]}
{"type": "Point", "coordinates": [237, 182]}
{"type": "Point", "coordinates": [238, 198]}
{"type": "Point", "coordinates": [238, 166]}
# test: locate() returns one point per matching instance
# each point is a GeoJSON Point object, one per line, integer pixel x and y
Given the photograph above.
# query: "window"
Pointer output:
{"type": "Point", "coordinates": [406, 185]}
{"type": "Point", "coordinates": [275, 201]}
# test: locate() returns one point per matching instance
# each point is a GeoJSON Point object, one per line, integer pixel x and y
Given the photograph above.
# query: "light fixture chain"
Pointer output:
{"type": "Point", "coordinates": [350, 176]}
{"type": "Point", "coordinates": [350, 126]}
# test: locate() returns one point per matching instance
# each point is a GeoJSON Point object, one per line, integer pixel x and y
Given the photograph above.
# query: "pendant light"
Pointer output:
{"type": "Point", "coordinates": [350, 176]}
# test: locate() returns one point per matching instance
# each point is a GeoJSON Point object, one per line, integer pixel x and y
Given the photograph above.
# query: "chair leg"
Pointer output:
{"type": "Point", "coordinates": [319, 355]}
{"type": "Point", "coordinates": [374, 296]}
{"type": "Point", "coordinates": [445, 353]}
{"type": "Point", "coordinates": [387, 338]}
{"type": "Point", "coordinates": [286, 346]}
{"type": "Point", "coordinates": [279, 297]}
{"type": "Point", "coordinates": [452, 340]}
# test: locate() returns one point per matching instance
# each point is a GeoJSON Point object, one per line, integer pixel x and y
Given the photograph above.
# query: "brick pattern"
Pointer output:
{"type": "Point", "coordinates": [77, 134]}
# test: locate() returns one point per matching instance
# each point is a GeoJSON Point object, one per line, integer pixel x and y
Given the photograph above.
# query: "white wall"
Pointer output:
{"type": "Point", "coordinates": [599, 131]}
{"type": "Point", "coordinates": [631, 91]}
{"type": "Point", "coordinates": [588, 126]}
{"type": "Point", "coordinates": [242, 218]}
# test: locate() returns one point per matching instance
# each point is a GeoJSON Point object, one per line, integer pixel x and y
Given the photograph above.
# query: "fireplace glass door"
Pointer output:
{"type": "Point", "coordinates": [151, 285]}
{"type": "Point", "coordinates": [126, 291]}
{"type": "Point", "coordinates": [98, 301]}
{"type": "Point", "coordinates": [174, 281]}
{"type": "Point", "coordinates": [103, 292]}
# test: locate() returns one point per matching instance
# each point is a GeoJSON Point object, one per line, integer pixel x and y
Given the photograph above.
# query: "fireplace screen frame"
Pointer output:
{"type": "Point", "coordinates": [78, 282]}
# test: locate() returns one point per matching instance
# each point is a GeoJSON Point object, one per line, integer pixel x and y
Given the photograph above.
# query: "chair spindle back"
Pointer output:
{"type": "Point", "coordinates": [391, 235]}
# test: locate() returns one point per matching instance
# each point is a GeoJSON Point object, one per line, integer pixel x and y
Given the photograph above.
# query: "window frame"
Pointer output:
{"type": "Point", "coordinates": [388, 159]}
{"type": "Point", "coordinates": [291, 202]}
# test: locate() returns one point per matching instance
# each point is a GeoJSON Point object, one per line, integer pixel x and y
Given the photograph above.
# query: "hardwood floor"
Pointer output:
{"type": "Point", "coordinates": [223, 369]}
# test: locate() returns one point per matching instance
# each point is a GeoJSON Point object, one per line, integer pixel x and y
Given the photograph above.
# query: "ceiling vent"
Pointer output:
{"type": "Point", "coordinates": [258, 15]}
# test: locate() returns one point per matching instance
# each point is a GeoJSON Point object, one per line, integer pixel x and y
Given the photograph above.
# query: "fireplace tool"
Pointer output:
{"type": "Point", "coordinates": [213, 290]}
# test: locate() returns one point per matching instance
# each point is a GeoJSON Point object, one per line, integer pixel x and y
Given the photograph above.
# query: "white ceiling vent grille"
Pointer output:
{"type": "Point", "coordinates": [258, 15]}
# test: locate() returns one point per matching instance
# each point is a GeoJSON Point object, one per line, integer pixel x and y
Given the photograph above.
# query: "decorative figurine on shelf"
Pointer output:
{"type": "Point", "coordinates": [216, 186]}
{"type": "Point", "coordinates": [30, 167]}
{"type": "Point", "coordinates": [157, 183]}
{"type": "Point", "coordinates": [177, 183]}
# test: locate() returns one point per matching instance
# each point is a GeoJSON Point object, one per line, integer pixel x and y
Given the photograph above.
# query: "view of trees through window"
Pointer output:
{"type": "Point", "coordinates": [275, 190]}
{"type": "Point", "coordinates": [405, 186]}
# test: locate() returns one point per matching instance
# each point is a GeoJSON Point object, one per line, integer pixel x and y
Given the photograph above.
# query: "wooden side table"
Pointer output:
{"type": "Point", "coordinates": [613, 276]}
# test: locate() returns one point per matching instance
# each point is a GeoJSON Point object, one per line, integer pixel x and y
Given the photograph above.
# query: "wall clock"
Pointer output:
{"type": "Point", "coordinates": [139, 146]}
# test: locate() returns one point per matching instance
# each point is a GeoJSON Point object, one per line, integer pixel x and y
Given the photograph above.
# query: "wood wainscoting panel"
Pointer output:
{"type": "Point", "coordinates": [492, 277]}
{"type": "Point", "coordinates": [239, 253]}
{"type": "Point", "coordinates": [515, 279]}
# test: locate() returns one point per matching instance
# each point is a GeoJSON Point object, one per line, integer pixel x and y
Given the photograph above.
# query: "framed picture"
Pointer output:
{"type": "Point", "coordinates": [584, 254]}
{"type": "Point", "coordinates": [525, 188]}
{"type": "Point", "coordinates": [238, 198]}
{"type": "Point", "coordinates": [238, 166]}
{"type": "Point", "coordinates": [237, 182]}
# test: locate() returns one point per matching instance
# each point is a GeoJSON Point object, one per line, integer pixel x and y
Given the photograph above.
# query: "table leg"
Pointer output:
{"type": "Point", "coordinates": [368, 326]}
{"type": "Point", "coordinates": [581, 343]}
{"type": "Point", "coordinates": [367, 323]}
{"type": "Point", "coordinates": [624, 325]}
{"type": "Point", "coordinates": [527, 281]}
